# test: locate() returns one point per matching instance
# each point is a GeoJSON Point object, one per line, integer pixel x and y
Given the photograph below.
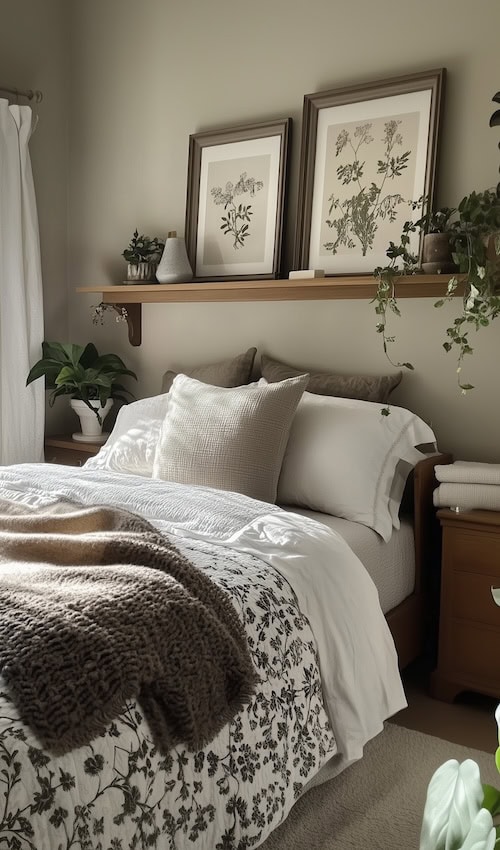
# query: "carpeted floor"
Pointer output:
{"type": "Point", "coordinates": [378, 801]}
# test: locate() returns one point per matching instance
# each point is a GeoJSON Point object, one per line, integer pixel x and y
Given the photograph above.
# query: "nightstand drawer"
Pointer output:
{"type": "Point", "coordinates": [472, 599]}
{"type": "Point", "coordinates": [63, 449]}
{"type": "Point", "coordinates": [469, 623]}
{"type": "Point", "coordinates": [68, 457]}
{"type": "Point", "coordinates": [475, 651]}
{"type": "Point", "coordinates": [472, 551]}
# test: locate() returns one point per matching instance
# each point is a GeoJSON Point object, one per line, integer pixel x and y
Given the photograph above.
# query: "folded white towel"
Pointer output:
{"type": "Point", "coordinates": [469, 472]}
{"type": "Point", "coordinates": [468, 496]}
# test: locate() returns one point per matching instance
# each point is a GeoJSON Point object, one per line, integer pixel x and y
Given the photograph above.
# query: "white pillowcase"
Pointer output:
{"type": "Point", "coordinates": [344, 458]}
{"type": "Point", "coordinates": [227, 438]}
{"type": "Point", "coordinates": [131, 446]}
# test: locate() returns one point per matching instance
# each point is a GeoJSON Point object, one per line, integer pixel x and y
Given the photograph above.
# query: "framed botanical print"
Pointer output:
{"type": "Point", "coordinates": [235, 199]}
{"type": "Point", "coordinates": [369, 152]}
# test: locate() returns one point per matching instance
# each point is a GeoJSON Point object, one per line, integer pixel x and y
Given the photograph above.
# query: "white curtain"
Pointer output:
{"type": "Point", "coordinates": [22, 409]}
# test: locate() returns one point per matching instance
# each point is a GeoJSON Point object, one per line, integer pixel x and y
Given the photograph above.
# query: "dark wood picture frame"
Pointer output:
{"type": "Point", "coordinates": [237, 235]}
{"type": "Point", "coordinates": [352, 106]}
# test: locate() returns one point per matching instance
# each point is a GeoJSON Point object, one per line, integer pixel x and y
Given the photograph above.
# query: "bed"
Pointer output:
{"type": "Point", "coordinates": [326, 662]}
{"type": "Point", "coordinates": [403, 568]}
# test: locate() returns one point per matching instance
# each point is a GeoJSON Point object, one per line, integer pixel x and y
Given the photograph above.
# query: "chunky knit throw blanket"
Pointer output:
{"type": "Point", "coordinates": [96, 607]}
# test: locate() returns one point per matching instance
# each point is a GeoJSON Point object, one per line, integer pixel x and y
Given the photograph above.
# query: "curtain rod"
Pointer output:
{"type": "Point", "coordinates": [36, 95]}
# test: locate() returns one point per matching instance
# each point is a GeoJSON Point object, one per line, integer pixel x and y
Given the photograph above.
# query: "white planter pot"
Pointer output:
{"type": "Point", "coordinates": [91, 427]}
{"type": "Point", "coordinates": [141, 272]}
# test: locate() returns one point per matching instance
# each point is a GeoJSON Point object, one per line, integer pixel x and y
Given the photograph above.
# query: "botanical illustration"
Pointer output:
{"type": "Point", "coordinates": [372, 177]}
{"type": "Point", "coordinates": [237, 219]}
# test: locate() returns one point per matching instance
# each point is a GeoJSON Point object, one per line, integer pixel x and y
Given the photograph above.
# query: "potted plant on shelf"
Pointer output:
{"type": "Point", "coordinates": [473, 230]}
{"type": "Point", "coordinates": [437, 243]}
{"type": "Point", "coordinates": [88, 377]}
{"type": "Point", "coordinates": [474, 234]}
{"type": "Point", "coordinates": [142, 256]}
{"type": "Point", "coordinates": [476, 242]}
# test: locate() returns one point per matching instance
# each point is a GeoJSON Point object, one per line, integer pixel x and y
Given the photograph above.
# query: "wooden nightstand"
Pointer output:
{"type": "Point", "coordinates": [62, 449]}
{"type": "Point", "coordinates": [469, 622]}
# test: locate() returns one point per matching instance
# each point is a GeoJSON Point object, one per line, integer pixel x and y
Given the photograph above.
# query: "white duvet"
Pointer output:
{"type": "Point", "coordinates": [361, 686]}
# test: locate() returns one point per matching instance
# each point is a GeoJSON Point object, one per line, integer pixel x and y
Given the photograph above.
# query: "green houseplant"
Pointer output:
{"type": "Point", "coordinates": [473, 229]}
{"type": "Point", "coordinates": [476, 241]}
{"type": "Point", "coordinates": [474, 234]}
{"type": "Point", "coordinates": [437, 243]}
{"type": "Point", "coordinates": [83, 374]}
{"type": "Point", "coordinates": [143, 255]}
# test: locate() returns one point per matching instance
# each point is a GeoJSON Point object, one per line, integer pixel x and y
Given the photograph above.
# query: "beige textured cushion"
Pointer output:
{"type": "Point", "coordinates": [230, 439]}
{"type": "Point", "coordinates": [363, 387]}
{"type": "Point", "coordinates": [227, 373]}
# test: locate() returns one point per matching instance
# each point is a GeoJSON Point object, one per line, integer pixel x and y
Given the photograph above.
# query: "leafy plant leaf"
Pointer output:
{"type": "Point", "coordinates": [491, 799]}
{"type": "Point", "coordinates": [454, 798]}
{"type": "Point", "coordinates": [80, 371]}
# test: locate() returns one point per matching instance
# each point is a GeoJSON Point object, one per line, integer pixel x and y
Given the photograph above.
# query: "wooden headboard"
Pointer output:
{"type": "Point", "coordinates": [412, 622]}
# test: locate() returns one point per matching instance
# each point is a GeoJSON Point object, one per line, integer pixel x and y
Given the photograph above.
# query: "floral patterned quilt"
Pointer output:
{"type": "Point", "coordinates": [119, 792]}
{"type": "Point", "coordinates": [320, 644]}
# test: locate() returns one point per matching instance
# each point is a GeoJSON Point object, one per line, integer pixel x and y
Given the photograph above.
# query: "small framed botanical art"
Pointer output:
{"type": "Point", "coordinates": [368, 152]}
{"type": "Point", "coordinates": [235, 199]}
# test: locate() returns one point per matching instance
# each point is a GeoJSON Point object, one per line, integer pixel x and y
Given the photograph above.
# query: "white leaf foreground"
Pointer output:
{"type": "Point", "coordinates": [495, 592]}
{"type": "Point", "coordinates": [453, 818]}
{"type": "Point", "coordinates": [482, 833]}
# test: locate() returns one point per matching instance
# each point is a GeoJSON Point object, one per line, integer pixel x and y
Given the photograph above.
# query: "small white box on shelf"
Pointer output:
{"type": "Point", "coordinates": [306, 273]}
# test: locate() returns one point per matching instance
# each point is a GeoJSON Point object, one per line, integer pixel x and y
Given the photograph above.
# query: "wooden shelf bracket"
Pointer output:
{"type": "Point", "coordinates": [133, 319]}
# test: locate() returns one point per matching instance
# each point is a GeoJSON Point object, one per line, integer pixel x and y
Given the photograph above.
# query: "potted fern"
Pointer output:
{"type": "Point", "coordinates": [90, 379]}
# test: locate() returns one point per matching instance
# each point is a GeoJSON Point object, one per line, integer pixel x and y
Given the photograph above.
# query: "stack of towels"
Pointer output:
{"type": "Point", "coordinates": [467, 485]}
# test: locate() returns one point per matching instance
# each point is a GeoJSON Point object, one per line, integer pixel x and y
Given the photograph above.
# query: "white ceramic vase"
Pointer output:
{"type": "Point", "coordinates": [174, 266]}
{"type": "Point", "coordinates": [91, 427]}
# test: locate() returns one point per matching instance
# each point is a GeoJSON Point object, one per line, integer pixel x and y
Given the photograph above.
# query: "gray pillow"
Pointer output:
{"type": "Point", "coordinates": [233, 372]}
{"type": "Point", "coordinates": [364, 387]}
{"type": "Point", "coordinates": [227, 438]}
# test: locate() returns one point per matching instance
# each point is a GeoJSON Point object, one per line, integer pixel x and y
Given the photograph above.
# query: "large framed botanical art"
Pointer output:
{"type": "Point", "coordinates": [235, 199]}
{"type": "Point", "coordinates": [368, 152]}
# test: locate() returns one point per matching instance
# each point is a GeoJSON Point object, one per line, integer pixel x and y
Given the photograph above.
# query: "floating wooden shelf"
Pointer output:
{"type": "Point", "coordinates": [318, 289]}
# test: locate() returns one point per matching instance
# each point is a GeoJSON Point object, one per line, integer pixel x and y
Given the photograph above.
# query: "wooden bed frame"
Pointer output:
{"type": "Point", "coordinates": [411, 621]}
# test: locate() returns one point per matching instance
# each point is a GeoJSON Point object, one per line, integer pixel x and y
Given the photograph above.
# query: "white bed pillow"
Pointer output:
{"type": "Point", "coordinates": [131, 446]}
{"type": "Point", "coordinates": [230, 439]}
{"type": "Point", "coordinates": [342, 457]}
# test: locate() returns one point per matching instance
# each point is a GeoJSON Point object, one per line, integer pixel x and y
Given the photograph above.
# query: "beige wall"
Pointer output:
{"type": "Point", "coordinates": [34, 55]}
{"type": "Point", "coordinates": [146, 75]}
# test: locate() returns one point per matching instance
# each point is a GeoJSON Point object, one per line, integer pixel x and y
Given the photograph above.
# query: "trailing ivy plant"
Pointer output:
{"type": "Point", "coordinates": [474, 229]}
{"type": "Point", "coordinates": [476, 239]}
{"type": "Point", "coordinates": [402, 261]}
